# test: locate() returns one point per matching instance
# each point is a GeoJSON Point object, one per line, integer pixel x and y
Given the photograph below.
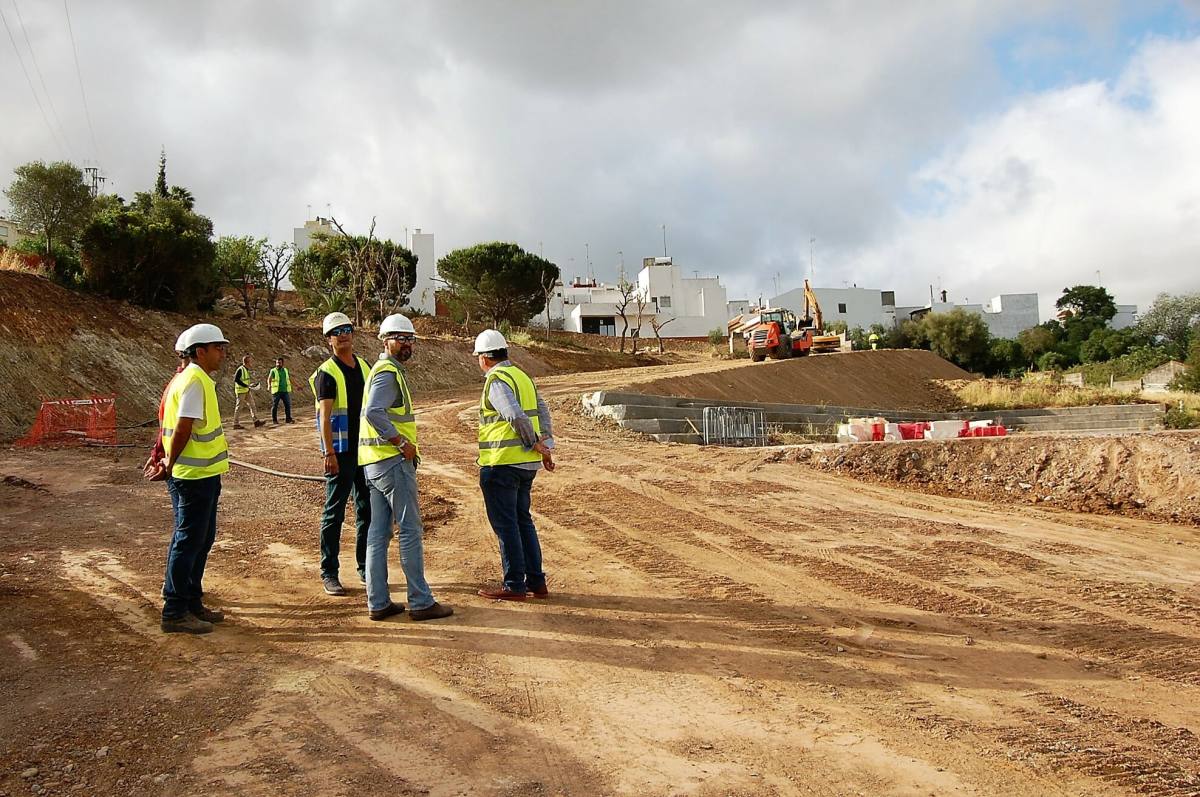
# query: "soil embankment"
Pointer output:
{"type": "Point", "coordinates": [889, 379]}
{"type": "Point", "coordinates": [1154, 476]}
{"type": "Point", "coordinates": [56, 343]}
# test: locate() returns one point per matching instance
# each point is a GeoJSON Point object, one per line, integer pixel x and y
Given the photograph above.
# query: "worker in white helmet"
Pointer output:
{"type": "Point", "coordinates": [515, 442]}
{"type": "Point", "coordinates": [154, 468]}
{"type": "Point", "coordinates": [388, 452]}
{"type": "Point", "coordinates": [197, 455]}
{"type": "Point", "coordinates": [337, 386]}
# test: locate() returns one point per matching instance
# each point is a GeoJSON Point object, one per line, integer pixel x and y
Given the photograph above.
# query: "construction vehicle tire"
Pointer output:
{"type": "Point", "coordinates": [756, 356]}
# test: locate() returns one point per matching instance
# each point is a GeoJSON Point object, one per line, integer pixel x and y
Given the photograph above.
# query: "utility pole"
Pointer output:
{"type": "Point", "coordinates": [541, 252]}
{"type": "Point", "coordinates": [811, 274]}
{"type": "Point", "coordinates": [621, 255]}
{"type": "Point", "coordinates": [96, 179]}
{"type": "Point", "coordinates": [664, 228]}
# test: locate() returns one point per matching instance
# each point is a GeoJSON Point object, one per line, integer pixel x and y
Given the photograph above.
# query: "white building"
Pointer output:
{"type": "Point", "coordinates": [1127, 316]}
{"type": "Point", "coordinates": [1006, 316]}
{"type": "Point", "coordinates": [686, 307]}
{"type": "Point", "coordinates": [302, 236]}
{"type": "Point", "coordinates": [856, 307]}
{"type": "Point", "coordinates": [10, 233]}
{"type": "Point", "coordinates": [422, 295]}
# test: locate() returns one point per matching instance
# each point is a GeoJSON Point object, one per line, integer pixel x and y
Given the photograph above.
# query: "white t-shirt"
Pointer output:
{"type": "Point", "coordinates": [191, 402]}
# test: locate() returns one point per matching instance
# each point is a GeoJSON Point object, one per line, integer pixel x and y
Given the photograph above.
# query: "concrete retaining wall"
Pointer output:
{"type": "Point", "coordinates": [681, 420]}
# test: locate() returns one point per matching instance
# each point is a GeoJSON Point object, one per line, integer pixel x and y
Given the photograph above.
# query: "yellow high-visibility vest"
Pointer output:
{"type": "Point", "coordinates": [206, 453]}
{"type": "Point", "coordinates": [339, 416]}
{"type": "Point", "coordinates": [371, 446]}
{"type": "Point", "coordinates": [279, 381]}
{"type": "Point", "coordinates": [499, 442]}
{"type": "Point", "coordinates": [242, 373]}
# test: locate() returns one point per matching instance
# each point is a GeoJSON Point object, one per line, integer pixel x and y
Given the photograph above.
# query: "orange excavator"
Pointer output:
{"type": "Point", "coordinates": [780, 334]}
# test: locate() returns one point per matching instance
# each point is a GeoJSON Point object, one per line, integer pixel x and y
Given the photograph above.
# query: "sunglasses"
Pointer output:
{"type": "Point", "coordinates": [401, 338]}
{"type": "Point", "coordinates": [344, 329]}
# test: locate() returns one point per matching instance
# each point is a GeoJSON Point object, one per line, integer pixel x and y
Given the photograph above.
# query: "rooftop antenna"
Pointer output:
{"type": "Point", "coordinates": [308, 211]}
{"type": "Point", "coordinates": [664, 229]}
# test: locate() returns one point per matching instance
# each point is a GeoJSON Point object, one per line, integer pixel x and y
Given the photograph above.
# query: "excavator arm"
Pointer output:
{"type": "Point", "coordinates": [812, 308]}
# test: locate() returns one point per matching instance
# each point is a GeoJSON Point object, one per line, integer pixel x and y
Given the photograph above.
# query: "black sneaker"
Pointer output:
{"type": "Point", "coordinates": [188, 624]}
{"type": "Point", "coordinates": [259, 423]}
{"type": "Point", "coordinates": [390, 610]}
{"type": "Point", "coordinates": [434, 612]}
{"type": "Point", "coordinates": [333, 586]}
{"type": "Point", "coordinates": [209, 615]}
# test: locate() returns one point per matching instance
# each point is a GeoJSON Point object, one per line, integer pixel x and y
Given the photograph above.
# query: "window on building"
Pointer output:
{"type": "Point", "coordinates": [3, 232]}
{"type": "Point", "coordinates": [842, 307]}
{"type": "Point", "coordinates": [664, 301]}
{"type": "Point", "coordinates": [889, 298]}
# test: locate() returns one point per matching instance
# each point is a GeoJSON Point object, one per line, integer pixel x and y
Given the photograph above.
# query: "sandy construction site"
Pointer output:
{"type": "Point", "coordinates": [722, 622]}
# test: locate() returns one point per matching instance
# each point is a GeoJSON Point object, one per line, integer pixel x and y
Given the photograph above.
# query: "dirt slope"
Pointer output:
{"type": "Point", "coordinates": [1153, 476]}
{"type": "Point", "coordinates": [57, 343]}
{"type": "Point", "coordinates": [870, 379]}
{"type": "Point", "coordinates": [719, 625]}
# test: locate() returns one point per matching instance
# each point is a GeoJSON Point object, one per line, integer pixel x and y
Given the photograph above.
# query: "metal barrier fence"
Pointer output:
{"type": "Point", "coordinates": [734, 426]}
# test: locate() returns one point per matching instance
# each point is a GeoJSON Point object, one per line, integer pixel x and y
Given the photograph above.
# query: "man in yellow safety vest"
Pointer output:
{"type": "Point", "coordinates": [515, 442]}
{"type": "Point", "coordinates": [338, 385]}
{"type": "Point", "coordinates": [241, 393]}
{"type": "Point", "coordinates": [279, 382]}
{"type": "Point", "coordinates": [387, 450]}
{"type": "Point", "coordinates": [196, 456]}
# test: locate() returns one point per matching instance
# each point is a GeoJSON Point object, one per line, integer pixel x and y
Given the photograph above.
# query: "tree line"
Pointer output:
{"type": "Point", "coordinates": [157, 251]}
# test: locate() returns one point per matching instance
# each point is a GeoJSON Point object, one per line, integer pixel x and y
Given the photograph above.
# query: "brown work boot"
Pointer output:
{"type": "Point", "coordinates": [188, 624]}
{"type": "Point", "coordinates": [258, 423]}
{"type": "Point", "coordinates": [434, 612]}
{"type": "Point", "coordinates": [209, 615]}
{"type": "Point", "coordinates": [542, 592]}
{"type": "Point", "coordinates": [390, 610]}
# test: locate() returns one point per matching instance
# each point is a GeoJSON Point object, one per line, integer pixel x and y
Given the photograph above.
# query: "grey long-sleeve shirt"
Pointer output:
{"type": "Point", "coordinates": [505, 401]}
{"type": "Point", "coordinates": [381, 393]}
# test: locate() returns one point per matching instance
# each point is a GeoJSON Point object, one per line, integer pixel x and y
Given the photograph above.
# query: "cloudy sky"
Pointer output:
{"type": "Point", "coordinates": [982, 147]}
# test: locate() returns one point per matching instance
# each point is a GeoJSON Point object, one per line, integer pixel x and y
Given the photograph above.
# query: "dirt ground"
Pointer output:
{"type": "Point", "coordinates": [888, 379]}
{"type": "Point", "coordinates": [720, 624]}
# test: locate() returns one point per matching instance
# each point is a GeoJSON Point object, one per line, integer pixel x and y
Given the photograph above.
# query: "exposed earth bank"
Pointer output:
{"type": "Point", "coordinates": [1153, 476]}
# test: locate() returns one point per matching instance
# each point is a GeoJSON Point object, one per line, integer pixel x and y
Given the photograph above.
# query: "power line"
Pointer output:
{"type": "Point", "coordinates": [79, 74]}
{"type": "Point", "coordinates": [38, 70]}
{"type": "Point", "coordinates": [28, 80]}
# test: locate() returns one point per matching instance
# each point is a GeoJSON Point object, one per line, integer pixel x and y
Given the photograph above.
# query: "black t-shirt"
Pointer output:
{"type": "Point", "coordinates": [327, 389]}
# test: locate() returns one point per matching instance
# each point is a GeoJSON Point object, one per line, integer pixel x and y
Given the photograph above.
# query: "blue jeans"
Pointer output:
{"type": "Point", "coordinates": [349, 479]}
{"type": "Point", "coordinates": [286, 400]}
{"type": "Point", "coordinates": [506, 495]}
{"type": "Point", "coordinates": [394, 495]}
{"type": "Point", "coordinates": [195, 504]}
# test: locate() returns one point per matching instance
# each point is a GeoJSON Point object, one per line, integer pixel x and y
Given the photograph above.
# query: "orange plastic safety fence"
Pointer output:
{"type": "Point", "coordinates": [74, 421]}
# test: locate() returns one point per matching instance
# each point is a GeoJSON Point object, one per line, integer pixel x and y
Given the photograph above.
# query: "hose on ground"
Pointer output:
{"type": "Point", "coordinates": [279, 473]}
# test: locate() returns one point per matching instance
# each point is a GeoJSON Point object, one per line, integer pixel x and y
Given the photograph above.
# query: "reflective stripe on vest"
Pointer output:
{"type": "Point", "coordinates": [499, 442]}
{"type": "Point", "coordinates": [206, 453]}
{"type": "Point", "coordinates": [279, 381]}
{"type": "Point", "coordinates": [371, 446]}
{"type": "Point", "coordinates": [242, 373]}
{"type": "Point", "coordinates": [339, 415]}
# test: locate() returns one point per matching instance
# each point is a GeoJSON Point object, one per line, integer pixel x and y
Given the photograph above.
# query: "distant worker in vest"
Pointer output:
{"type": "Point", "coordinates": [338, 385]}
{"type": "Point", "coordinates": [279, 382]}
{"type": "Point", "coordinates": [241, 393]}
{"type": "Point", "coordinates": [388, 452]}
{"type": "Point", "coordinates": [196, 457]}
{"type": "Point", "coordinates": [873, 339]}
{"type": "Point", "coordinates": [515, 442]}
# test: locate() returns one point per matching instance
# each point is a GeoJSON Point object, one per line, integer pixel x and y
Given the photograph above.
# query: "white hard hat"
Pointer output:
{"type": "Point", "coordinates": [489, 340]}
{"type": "Point", "coordinates": [199, 335]}
{"type": "Point", "coordinates": [333, 321]}
{"type": "Point", "coordinates": [396, 322]}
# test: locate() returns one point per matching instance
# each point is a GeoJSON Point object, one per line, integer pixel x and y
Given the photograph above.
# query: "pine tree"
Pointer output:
{"type": "Point", "coordinates": [160, 187]}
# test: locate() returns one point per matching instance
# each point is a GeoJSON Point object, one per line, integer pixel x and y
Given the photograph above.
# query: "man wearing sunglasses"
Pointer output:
{"type": "Point", "coordinates": [387, 450]}
{"type": "Point", "coordinates": [338, 385]}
